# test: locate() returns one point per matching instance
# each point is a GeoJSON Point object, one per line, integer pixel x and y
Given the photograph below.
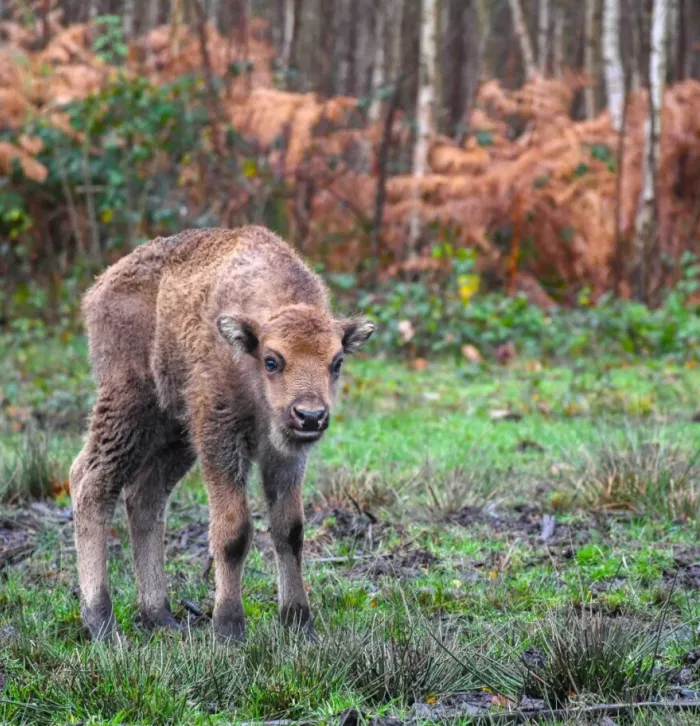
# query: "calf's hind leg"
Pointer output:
{"type": "Point", "coordinates": [120, 437]}
{"type": "Point", "coordinates": [146, 502]}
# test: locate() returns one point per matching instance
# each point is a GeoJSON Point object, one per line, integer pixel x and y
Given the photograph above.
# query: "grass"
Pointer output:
{"type": "Point", "coordinates": [476, 533]}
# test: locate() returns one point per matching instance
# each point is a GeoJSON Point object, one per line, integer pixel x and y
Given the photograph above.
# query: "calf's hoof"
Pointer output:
{"type": "Point", "coordinates": [161, 618]}
{"type": "Point", "coordinates": [100, 621]}
{"type": "Point", "coordinates": [229, 624]}
{"type": "Point", "coordinates": [298, 617]}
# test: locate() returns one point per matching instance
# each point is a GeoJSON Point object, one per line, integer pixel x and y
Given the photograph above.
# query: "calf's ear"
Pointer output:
{"type": "Point", "coordinates": [240, 332]}
{"type": "Point", "coordinates": [355, 332]}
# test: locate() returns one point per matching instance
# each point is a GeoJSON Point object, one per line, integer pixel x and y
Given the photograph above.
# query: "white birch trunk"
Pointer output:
{"type": "Point", "coordinates": [287, 37]}
{"type": "Point", "coordinates": [523, 37]}
{"type": "Point", "coordinates": [425, 106]}
{"type": "Point", "coordinates": [375, 108]}
{"type": "Point", "coordinates": [589, 57]}
{"type": "Point", "coordinates": [543, 36]}
{"type": "Point", "coordinates": [647, 208]}
{"type": "Point", "coordinates": [614, 75]}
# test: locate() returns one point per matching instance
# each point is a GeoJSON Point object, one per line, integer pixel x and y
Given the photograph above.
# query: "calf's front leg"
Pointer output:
{"type": "Point", "coordinates": [230, 537]}
{"type": "Point", "coordinates": [282, 484]}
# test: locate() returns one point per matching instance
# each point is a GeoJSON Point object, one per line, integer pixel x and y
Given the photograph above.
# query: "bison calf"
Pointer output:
{"type": "Point", "coordinates": [214, 344]}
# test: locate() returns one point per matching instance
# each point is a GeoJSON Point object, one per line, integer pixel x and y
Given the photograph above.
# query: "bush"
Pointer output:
{"type": "Point", "coordinates": [443, 314]}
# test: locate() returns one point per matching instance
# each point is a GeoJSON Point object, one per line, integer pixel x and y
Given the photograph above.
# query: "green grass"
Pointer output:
{"type": "Point", "coordinates": [424, 559]}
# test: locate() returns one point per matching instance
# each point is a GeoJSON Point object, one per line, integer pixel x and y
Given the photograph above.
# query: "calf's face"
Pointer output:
{"type": "Point", "coordinates": [298, 355]}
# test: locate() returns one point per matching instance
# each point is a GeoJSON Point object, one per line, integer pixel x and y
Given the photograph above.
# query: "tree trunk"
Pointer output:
{"type": "Point", "coordinates": [457, 63]}
{"type": "Point", "coordinates": [363, 47]}
{"type": "Point", "coordinates": [558, 61]}
{"type": "Point", "coordinates": [523, 37]}
{"type": "Point", "coordinates": [287, 37]}
{"type": "Point", "coordinates": [647, 211]}
{"type": "Point", "coordinates": [152, 16]}
{"type": "Point", "coordinates": [482, 32]}
{"type": "Point", "coordinates": [425, 107]}
{"type": "Point", "coordinates": [351, 73]}
{"type": "Point", "coordinates": [589, 58]}
{"type": "Point", "coordinates": [614, 76]}
{"type": "Point", "coordinates": [681, 45]}
{"type": "Point", "coordinates": [635, 76]}
{"type": "Point", "coordinates": [395, 23]}
{"type": "Point", "coordinates": [672, 35]}
{"type": "Point", "coordinates": [543, 36]}
{"type": "Point", "coordinates": [375, 108]}
{"type": "Point", "coordinates": [128, 20]}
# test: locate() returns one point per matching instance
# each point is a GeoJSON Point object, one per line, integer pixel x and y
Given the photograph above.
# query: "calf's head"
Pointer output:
{"type": "Point", "coordinates": [298, 355]}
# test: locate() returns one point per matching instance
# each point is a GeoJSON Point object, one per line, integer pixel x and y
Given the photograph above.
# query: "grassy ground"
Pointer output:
{"type": "Point", "coordinates": [477, 538]}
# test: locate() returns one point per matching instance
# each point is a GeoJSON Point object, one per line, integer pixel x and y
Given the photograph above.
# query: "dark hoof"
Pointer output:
{"type": "Point", "coordinates": [298, 617]}
{"type": "Point", "coordinates": [100, 622]}
{"type": "Point", "coordinates": [229, 624]}
{"type": "Point", "coordinates": [159, 619]}
{"type": "Point", "coordinates": [230, 630]}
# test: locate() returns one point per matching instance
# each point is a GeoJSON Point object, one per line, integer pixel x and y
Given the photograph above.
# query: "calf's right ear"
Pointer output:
{"type": "Point", "coordinates": [240, 332]}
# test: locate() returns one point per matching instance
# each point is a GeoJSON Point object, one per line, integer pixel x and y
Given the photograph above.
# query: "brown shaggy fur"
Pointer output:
{"type": "Point", "coordinates": [215, 344]}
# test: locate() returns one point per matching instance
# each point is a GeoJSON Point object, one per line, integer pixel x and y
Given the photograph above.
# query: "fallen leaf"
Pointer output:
{"type": "Point", "coordinates": [505, 415]}
{"type": "Point", "coordinates": [406, 330]}
{"type": "Point", "coordinates": [419, 364]}
{"type": "Point", "coordinates": [470, 353]}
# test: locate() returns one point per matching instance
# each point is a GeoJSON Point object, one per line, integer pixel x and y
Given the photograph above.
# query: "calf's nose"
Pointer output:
{"type": "Point", "coordinates": [311, 419]}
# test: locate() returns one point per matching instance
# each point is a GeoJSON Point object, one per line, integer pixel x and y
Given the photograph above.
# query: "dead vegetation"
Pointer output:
{"type": "Point", "coordinates": [537, 192]}
{"type": "Point", "coordinates": [642, 473]}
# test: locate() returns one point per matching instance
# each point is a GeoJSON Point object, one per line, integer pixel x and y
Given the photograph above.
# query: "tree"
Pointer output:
{"type": "Point", "coordinates": [425, 106]}
{"type": "Point", "coordinates": [543, 36]}
{"type": "Point", "coordinates": [288, 35]}
{"type": "Point", "coordinates": [614, 75]}
{"type": "Point", "coordinates": [378, 63]}
{"type": "Point", "coordinates": [647, 210]}
{"type": "Point", "coordinates": [558, 45]}
{"type": "Point", "coordinates": [523, 39]}
{"type": "Point", "coordinates": [589, 58]}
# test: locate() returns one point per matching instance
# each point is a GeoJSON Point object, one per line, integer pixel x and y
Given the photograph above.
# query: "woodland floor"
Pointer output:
{"type": "Point", "coordinates": [483, 544]}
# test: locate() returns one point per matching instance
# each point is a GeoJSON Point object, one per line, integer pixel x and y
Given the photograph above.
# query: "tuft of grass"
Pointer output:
{"type": "Point", "coordinates": [643, 472]}
{"type": "Point", "coordinates": [453, 489]}
{"type": "Point", "coordinates": [584, 652]}
{"type": "Point", "coordinates": [362, 488]}
{"type": "Point", "coordinates": [28, 471]}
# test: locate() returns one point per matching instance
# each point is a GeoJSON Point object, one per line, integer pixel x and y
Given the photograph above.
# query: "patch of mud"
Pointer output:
{"type": "Point", "coordinates": [18, 529]}
{"type": "Point", "coordinates": [192, 538]}
{"type": "Point", "coordinates": [15, 541]}
{"type": "Point", "coordinates": [686, 570]}
{"type": "Point", "coordinates": [403, 562]}
{"type": "Point", "coordinates": [541, 530]}
{"type": "Point", "coordinates": [362, 528]}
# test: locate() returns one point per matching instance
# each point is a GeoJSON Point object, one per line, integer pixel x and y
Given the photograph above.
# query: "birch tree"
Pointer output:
{"type": "Point", "coordinates": [589, 57]}
{"type": "Point", "coordinates": [378, 62]}
{"type": "Point", "coordinates": [647, 210]}
{"type": "Point", "coordinates": [425, 106]}
{"type": "Point", "coordinates": [543, 36]}
{"type": "Point", "coordinates": [287, 35]}
{"type": "Point", "coordinates": [614, 75]}
{"type": "Point", "coordinates": [521, 33]}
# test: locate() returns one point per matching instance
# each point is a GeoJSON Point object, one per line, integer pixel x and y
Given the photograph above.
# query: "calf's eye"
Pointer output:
{"type": "Point", "coordinates": [271, 365]}
{"type": "Point", "coordinates": [337, 366]}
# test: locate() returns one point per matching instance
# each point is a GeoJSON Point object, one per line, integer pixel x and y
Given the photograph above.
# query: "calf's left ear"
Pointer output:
{"type": "Point", "coordinates": [355, 332]}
